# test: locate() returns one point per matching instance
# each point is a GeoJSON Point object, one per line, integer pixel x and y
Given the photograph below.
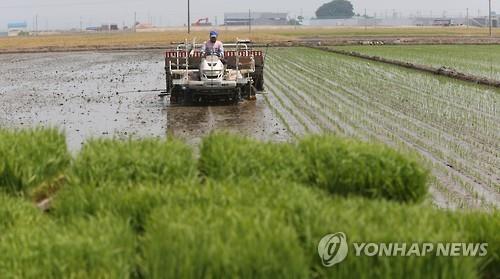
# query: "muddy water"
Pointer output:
{"type": "Point", "coordinates": [90, 94]}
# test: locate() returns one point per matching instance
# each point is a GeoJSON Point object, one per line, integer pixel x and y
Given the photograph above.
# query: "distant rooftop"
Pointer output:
{"type": "Point", "coordinates": [256, 18]}
{"type": "Point", "coordinates": [17, 24]}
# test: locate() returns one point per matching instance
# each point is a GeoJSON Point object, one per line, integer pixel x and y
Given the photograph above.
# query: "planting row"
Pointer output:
{"type": "Point", "coordinates": [453, 125]}
{"type": "Point", "coordinates": [479, 60]}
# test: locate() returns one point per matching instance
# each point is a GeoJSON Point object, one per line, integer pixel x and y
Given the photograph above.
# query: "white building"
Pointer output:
{"type": "Point", "coordinates": [15, 28]}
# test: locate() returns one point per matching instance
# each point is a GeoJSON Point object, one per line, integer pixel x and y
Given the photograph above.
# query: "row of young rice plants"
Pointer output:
{"type": "Point", "coordinates": [149, 209]}
{"type": "Point", "coordinates": [488, 133]}
{"type": "Point", "coordinates": [452, 124]}
{"type": "Point", "coordinates": [478, 60]}
{"type": "Point", "coordinates": [322, 120]}
{"type": "Point", "coordinates": [352, 114]}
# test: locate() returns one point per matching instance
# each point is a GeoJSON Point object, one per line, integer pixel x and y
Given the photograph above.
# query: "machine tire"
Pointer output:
{"type": "Point", "coordinates": [169, 86]}
{"type": "Point", "coordinates": [259, 83]}
{"type": "Point", "coordinates": [176, 96]}
{"type": "Point", "coordinates": [249, 92]}
{"type": "Point", "coordinates": [238, 96]}
{"type": "Point", "coordinates": [259, 78]}
{"type": "Point", "coordinates": [188, 97]}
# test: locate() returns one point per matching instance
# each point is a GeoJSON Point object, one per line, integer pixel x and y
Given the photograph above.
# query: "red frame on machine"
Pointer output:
{"type": "Point", "coordinates": [228, 53]}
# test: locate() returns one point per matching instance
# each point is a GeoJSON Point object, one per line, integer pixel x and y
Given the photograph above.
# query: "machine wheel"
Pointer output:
{"type": "Point", "coordinates": [188, 98]}
{"type": "Point", "coordinates": [259, 84]}
{"type": "Point", "coordinates": [168, 83]}
{"type": "Point", "coordinates": [237, 96]}
{"type": "Point", "coordinates": [249, 92]}
{"type": "Point", "coordinates": [259, 79]}
{"type": "Point", "coordinates": [176, 96]}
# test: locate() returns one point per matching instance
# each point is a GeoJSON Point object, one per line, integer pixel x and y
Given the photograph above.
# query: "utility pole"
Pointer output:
{"type": "Point", "coordinates": [366, 20]}
{"type": "Point", "coordinates": [135, 22]}
{"type": "Point", "coordinates": [249, 21]}
{"type": "Point", "coordinates": [189, 17]}
{"type": "Point", "coordinates": [467, 20]}
{"type": "Point", "coordinates": [489, 20]}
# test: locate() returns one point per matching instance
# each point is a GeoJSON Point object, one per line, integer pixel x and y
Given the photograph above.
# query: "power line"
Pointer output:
{"type": "Point", "coordinates": [189, 17]}
{"type": "Point", "coordinates": [489, 19]}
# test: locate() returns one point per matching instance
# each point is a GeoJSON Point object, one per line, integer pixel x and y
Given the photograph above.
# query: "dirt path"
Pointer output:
{"type": "Point", "coordinates": [88, 95]}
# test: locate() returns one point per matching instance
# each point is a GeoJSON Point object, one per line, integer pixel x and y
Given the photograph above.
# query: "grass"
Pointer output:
{"type": "Point", "coordinates": [238, 223]}
{"type": "Point", "coordinates": [479, 60]}
{"type": "Point", "coordinates": [263, 35]}
{"type": "Point", "coordinates": [28, 158]}
{"type": "Point", "coordinates": [340, 166]}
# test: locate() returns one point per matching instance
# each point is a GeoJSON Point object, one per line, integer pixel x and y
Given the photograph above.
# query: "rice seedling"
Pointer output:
{"type": "Point", "coordinates": [349, 167]}
{"type": "Point", "coordinates": [101, 247]}
{"type": "Point", "coordinates": [29, 158]}
{"type": "Point", "coordinates": [214, 242]}
{"type": "Point", "coordinates": [255, 214]}
{"type": "Point", "coordinates": [132, 203]}
{"type": "Point", "coordinates": [195, 234]}
{"type": "Point", "coordinates": [16, 212]}
{"type": "Point", "coordinates": [342, 167]}
{"type": "Point", "coordinates": [133, 161]}
{"type": "Point", "coordinates": [227, 156]}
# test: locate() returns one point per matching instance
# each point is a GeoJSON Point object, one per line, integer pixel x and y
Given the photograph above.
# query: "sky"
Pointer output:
{"type": "Point", "coordinates": [65, 14]}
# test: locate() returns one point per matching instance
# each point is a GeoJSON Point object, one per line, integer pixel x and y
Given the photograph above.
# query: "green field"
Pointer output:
{"type": "Point", "coordinates": [479, 60]}
{"type": "Point", "coordinates": [453, 125]}
{"type": "Point", "coordinates": [244, 209]}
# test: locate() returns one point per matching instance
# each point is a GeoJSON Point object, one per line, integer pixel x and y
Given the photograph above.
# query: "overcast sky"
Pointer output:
{"type": "Point", "coordinates": [67, 13]}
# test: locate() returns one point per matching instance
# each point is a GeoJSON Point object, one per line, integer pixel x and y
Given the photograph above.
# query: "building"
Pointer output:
{"type": "Point", "coordinates": [362, 21]}
{"type": "Point", "coordinates": [16, 28]}
{"type": "Point", "coordinates": [241, 19]}
{"type": "Point", "coordinates": [103, 28]}
{"type": "Point", "coordinates": [483, 21]}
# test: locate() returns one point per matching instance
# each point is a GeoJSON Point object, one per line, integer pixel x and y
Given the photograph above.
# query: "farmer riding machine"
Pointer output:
{"type": "Point", "coordinates": [192, 76]}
